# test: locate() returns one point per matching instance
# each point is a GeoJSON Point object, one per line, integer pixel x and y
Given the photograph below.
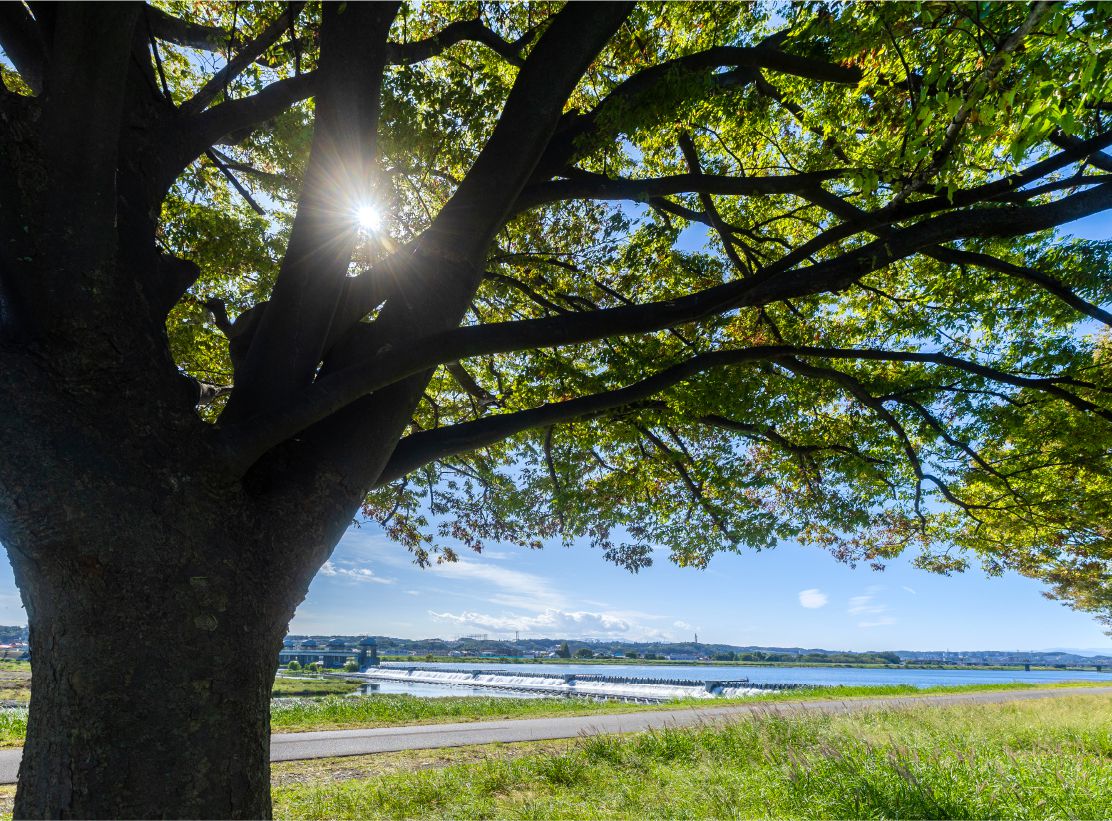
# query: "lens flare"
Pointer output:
{"type": "Point", "coordinates": [369, 218]}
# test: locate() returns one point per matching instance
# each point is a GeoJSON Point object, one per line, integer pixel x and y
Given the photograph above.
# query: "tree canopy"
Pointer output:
{"type": "Point", "coordinates": [700, 276]}
{"type": "Point", "coordinates": [777, 272]}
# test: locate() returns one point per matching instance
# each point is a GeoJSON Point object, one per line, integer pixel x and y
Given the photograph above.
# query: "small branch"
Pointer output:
{"type": "Point", "coordinates": [685, 476]}
{"type": "Point", "coordinates": [1044, 281]}
{"type": "Point", "coordinates": [218, 83]}
{"type": "Point", "coordinates": [466, 381]}
{"type": "Point", "coordinates": [687, 146]}
{"type": "Point", "coordinates": [243, 192]}
{"type": "Point", "coordinates": [969, 104]}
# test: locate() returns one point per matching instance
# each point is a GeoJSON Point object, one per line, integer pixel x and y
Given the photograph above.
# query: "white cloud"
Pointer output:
{"type": "Point", "coordinates": [875, 612]}
{"type": "Point", "coordinates": [682, 625]}
{"type": "Point", "coordinates": [553, 623]}
{"type": "Point", "coordinates": [526, 591]}
{"type": "Point", "coordinates": [413, 592]}
{"type": "Point", "coordinates": [910, 590]}
{"type": "Point", "coordinates": [354, 573]}
{"type": "Point", "coordinates": [813, 598]}
{"type": "Point", "coordinates": [861, 605]}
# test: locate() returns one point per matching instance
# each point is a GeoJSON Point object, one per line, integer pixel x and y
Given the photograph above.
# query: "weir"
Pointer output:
{"type": "Point", "coordinates": [584, 685]}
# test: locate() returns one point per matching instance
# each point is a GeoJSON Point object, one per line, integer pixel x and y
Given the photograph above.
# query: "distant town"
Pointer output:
{"type": "Point", "coordinates": [482, 646]}
{"type": "Point", "coordinates": [13, 645]}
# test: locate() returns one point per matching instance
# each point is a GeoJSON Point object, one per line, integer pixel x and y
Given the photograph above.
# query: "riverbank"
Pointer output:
{"type": "Point", "coordinates": [1015, 760]}
{"type": "Point", "coordinates": [390, 710]}
{"type": "Point", "coordinates": [292, 686]}
{"type": "Point", "coordinates": [402, 710]}
{"type": "Point", "coordinates": [427, 659]}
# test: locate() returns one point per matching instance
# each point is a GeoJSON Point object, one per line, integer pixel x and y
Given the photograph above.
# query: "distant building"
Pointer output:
{"type": "Point", "coordinates": [332, 654]}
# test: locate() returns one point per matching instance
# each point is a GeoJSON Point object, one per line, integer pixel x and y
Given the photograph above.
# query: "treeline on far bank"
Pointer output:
{"type": "Point", "coordinates": [810, 658]}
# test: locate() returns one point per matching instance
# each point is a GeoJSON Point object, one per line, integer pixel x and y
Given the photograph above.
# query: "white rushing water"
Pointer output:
{"type": "Point", "coordinates": [557, 685]}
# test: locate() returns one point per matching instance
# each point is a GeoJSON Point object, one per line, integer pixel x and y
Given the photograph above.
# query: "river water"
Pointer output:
{"type": "Point", "coordinates": [765, 675]}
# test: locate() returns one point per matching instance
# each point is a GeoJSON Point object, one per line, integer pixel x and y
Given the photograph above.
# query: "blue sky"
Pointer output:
{"type": "Point", "coordinates": [790, 596]}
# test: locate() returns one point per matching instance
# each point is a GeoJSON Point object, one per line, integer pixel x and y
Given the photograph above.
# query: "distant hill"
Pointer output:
{"type": "Point", "coordinates": [389, 645]}
{"type": "Point", "coordinates": [9, 634]}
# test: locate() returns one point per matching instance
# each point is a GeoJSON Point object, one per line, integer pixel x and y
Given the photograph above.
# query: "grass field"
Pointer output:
{"type": "Point", "coordinates": [396, 710]}
{"type": "Point", "coordinates": [293, 686]}
{"type": "Point", "coordinates": [15, 681]}
{"type": "Point", "coordinates": [342, 712]}
{"type": "Point", "coordinates": [1046, 759]}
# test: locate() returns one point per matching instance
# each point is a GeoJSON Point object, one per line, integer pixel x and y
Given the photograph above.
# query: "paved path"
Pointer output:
{"type": "Point", "coordinates": [330, 743]}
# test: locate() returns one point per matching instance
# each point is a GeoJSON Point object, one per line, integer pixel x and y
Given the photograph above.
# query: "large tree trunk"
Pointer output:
{"type": "Point", "coordinates": [150, 695]}
{"type": "Point", "coordinates": [158, 593]}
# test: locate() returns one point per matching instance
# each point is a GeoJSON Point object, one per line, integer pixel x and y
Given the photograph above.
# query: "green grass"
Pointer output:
{"type": "Point", "coordinates": [388, 710]}
{"type": "Point", "coordinates": [290, 686]}
{"type": "Point", "coordinates": [1043, 759]}
{"type": "Point", "coordinates": [396, 710]}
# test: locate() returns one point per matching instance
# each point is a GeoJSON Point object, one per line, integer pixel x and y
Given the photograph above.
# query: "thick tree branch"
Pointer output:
{"type": "Point", "coordinates": [82, 111]}
{"type": "Point", "coordinates": [247, 442]}
{"type": "Point", "coordinates": [243, 58]}
{"type": "Point", "coordinates": [420, 448]}
{"type": "Point", "coordinates": [1097, 158]}
{"type": "Point", "coordinates": [433, 288]}
{"type": "Point", "coordinates": [339, 178]}
{"type": "Point", "coordinates": [598, 187]}
{"type": "Point", "coordinates": [194, 35]}
{"type": "Point", "coordinates": [953, 256]}
{"type": "Point", "coordinates": [22, 42]}
{"type": "Point", "coordinates": [214, 125]}
{"type": "Point", "coordinates": [460, 31]}
{"type": "Point", "coordinates": [481, 203]}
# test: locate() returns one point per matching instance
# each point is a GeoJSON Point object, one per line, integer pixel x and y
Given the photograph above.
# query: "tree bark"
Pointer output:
{"type": "Point", "coordinates": [158, 592]}
{"type": "Point", "coordinates": [150, 695]}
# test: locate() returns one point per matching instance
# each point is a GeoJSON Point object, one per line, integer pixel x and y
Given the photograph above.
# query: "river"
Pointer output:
{"type": "Point", "coordinates": [765, 675]}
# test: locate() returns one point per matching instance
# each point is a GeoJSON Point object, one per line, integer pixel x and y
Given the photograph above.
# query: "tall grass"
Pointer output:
{"type": "Point", "coordinates": [1047, 759]}
{"type": "Point", "coordinates": [13, 726]}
